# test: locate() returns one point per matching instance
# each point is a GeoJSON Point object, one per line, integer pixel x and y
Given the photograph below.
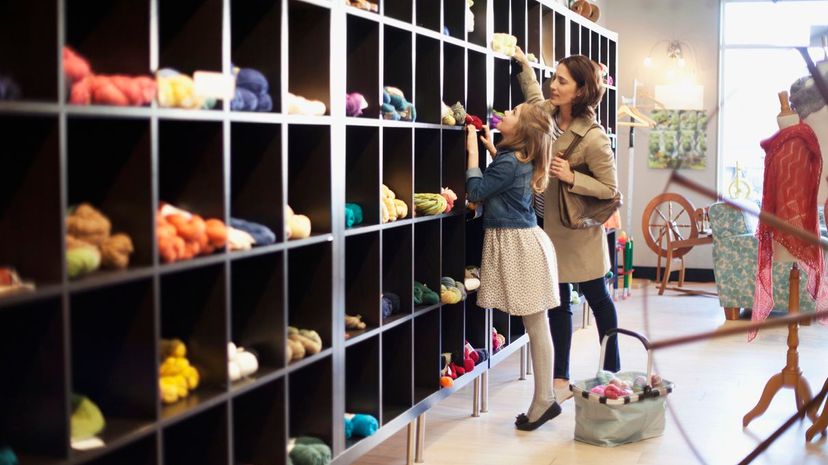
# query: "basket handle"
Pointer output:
{"type": "Point", "coordinates": [644, 341]}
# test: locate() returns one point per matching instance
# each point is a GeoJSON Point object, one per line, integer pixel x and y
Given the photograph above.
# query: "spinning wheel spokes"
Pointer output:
{"type": "Point", "coordinates": [668, 214]}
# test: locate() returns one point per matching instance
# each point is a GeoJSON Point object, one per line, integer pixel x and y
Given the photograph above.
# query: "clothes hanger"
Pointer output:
{"type": "Point", "coordinates": [639, 119]}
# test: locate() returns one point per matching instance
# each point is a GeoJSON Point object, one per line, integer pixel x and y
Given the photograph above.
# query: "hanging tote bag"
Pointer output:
{"type": "Point", "coordinates": [583, 211]}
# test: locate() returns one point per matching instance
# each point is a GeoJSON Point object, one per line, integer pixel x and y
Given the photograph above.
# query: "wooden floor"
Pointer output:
{"type": "Point", "coordinates": [717, 382]}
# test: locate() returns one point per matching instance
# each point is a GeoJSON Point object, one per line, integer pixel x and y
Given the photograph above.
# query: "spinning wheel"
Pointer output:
{"type": "Point", "coordinates": [669, 217]}
{"type": "Point", "coordinates": [671, 228]}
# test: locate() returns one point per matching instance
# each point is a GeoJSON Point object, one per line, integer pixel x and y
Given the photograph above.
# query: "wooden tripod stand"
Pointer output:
{"type": "Point", "coordinates": [791, 375]}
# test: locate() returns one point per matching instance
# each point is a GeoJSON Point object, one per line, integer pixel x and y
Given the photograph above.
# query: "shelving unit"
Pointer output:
{"type": "Point", "coordinates": [99, 335]}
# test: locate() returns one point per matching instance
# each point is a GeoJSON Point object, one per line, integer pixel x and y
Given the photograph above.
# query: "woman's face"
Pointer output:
{"type": "Point", "coordinates": [509, 121]}
{"type": "Point", "coordinates": [563, 88]}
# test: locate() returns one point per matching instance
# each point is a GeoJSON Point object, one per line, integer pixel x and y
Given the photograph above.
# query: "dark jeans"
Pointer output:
{"type": "Point", "coordinates": [560, 323]}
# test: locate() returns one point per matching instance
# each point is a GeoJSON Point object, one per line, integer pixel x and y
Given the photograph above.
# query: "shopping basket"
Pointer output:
{"type": "Point", "coordinates": [610, 422]}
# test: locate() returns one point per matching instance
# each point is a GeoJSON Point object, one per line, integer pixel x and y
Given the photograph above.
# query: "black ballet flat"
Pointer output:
{"type": "Point", "coordinates": [522, 422]}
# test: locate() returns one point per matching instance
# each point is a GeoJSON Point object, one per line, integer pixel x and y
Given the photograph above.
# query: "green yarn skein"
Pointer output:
{"type": "Point", "coordinates": [7, 456]}
{"type": "Point", "coordinates": [82, 260]}
{"type": "Point", "coordinates": [87, 419]}
{"type": "Point", "coordinates": [310, 451]}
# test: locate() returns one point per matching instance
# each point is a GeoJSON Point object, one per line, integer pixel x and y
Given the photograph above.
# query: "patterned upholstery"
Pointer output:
{"type": "Point", "coordinates": [735, 250]}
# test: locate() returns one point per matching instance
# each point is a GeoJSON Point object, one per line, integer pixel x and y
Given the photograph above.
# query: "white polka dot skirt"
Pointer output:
{"type": "Point", "coordinates": [519, 272]}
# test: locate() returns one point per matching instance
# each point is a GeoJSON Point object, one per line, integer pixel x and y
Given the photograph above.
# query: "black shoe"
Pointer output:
{"type": "Point", "coordinates": [522, 422]}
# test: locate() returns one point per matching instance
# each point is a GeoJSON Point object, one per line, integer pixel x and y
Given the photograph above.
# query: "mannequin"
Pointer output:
{"type": "Point", "coordinates": [813, 111]}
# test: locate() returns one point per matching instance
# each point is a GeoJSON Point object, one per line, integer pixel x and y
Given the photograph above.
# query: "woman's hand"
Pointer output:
{"type": "Point", "coordinates": [560, 169]}
{"type": "Point", "coordinates": [520, 57]}
{"type": "Point", "coordinates": [486, 138]}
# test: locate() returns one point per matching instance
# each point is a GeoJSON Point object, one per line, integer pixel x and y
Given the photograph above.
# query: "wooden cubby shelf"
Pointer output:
{"type": "Point", "coordinates": [100, 335]}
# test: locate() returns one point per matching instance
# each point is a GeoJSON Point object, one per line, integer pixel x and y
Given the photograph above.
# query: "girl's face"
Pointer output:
{"type": "Point", "coordinates": [509, 122]}
{"type": "Point", "coordinates": [563, 88]}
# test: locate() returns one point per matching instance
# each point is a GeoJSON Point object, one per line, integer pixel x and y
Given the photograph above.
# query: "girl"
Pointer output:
{"type": "Point", "coordinates": [518, 273]}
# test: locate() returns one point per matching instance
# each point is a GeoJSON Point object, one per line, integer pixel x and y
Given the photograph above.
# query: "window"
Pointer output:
{"type": "Point", "coordinates": [758, 60]}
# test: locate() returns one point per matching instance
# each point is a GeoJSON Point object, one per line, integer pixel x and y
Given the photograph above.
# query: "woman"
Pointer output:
{"type": "Point", "coordinates": [583, 254]}
{"type": "Point", "coordinates": [518, 273]}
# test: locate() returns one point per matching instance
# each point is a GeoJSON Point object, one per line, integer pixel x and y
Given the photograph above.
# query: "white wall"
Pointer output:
{"type": "Point", "coordinates": [640, 24]}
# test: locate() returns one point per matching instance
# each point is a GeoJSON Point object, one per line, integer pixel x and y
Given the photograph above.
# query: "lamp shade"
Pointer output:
{"type": "Point", "coordinates": [680, 96]}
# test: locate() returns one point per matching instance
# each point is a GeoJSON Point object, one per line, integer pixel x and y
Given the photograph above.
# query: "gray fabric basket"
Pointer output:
{"type": "Point", "coordinates": [611, 422]}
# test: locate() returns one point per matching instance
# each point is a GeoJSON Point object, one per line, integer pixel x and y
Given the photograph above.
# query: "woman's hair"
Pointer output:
{"type": "Point", "coordinates": [587, 76]}
{"type": "Point", "coordinates": [532, 142]}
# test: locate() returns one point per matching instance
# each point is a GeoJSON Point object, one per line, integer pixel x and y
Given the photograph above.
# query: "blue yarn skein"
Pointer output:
{"type": "Point", "coordinates": [364, 425]}
{"type": "Point", "coordinates": [251, 92]}
{"type": "Point", "coordinates": [353, 214]}
{"type": "Point", "coordinates": [261, 233]}
{"type": "Point", "coordinates": [9, 90]}
{"type": "Point", "coordinates": [349, 428]}
{"type": "Point", "coordinates": [7, 456]}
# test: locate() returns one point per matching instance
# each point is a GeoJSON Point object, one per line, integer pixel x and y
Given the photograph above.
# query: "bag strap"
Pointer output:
{"type": "Point", "coordinates": [576, 141]}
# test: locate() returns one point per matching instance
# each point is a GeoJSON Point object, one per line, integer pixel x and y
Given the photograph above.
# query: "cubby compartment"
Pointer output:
{"type": "Point", "coordinates": [454, 19]}
{"type": "Point", "coordinates": [611, 121]}
{"type": "Point", "coordinates": [605, 52]}
{"type": "Point", "coordinates": [202, 439]}
{"type": "Point", "coordinates": [427, 255]}
{"type": "Point", "coordinates": [560, 37]}
{"type": "Point", "coordinates": [114, 35]}
{"type": "Point", "coordinates": [452, 330]}
{"type": "Point", "coordinates": [256, 32]}
{"type": "Point", "coordinates": [191, 166]}
{"type": "Point", "coordinates": [500, 322]}
{"type": "Point", "coordinates": [548, 37]}
{"type": "Point", "coordinates": [476, 89]}
{"type": "Point", "coordinates": [397, 60]}
{"type": "Point", "coordinates": [29, 48]}
{"type": "Point", "coordinates": [502, 83]}
{"type": "Point", "coordinates": [479, 34]}
{"type": "Point", "coordinates": [533, 31]}
{"type": "Point", "coordinates": [397, 164]}
{"type": "Point", "coordinates": [476, 323]}
{"type": "Point", "coordinates": [427, 80]}
{"type": "Point", "coordinates": [500, 11]}
{"type": "Point", "coordinates": [474, 242]}
{"type": "Point", "coordinates": [189, 35]}
{"type": "Point", "coordinates": [193, 309]}
{"type": "Point", "coordinates": [256, 175]}
{"type": "Point", "coordinates": [311, 402]}
{"type": "Point", "coordinates": [362, 381]}
{"type": "Point", "coordinates": [427, 160]}
{"type": "Point", "coordinates": [454, 247]}
{"type": "Point", "coordinates": [396, 371]}
{"type": "Point", "coordinates": [454, 164]}
{"type": "Point", "coordinates": [258, 303]}
{"type": "Point", "coordinates": [309, 290]}
{"type": "Point", "coordinates": [309, 175]}
{"type": "Point", "coordinates": [574, 38]}
{"type": "Point", "coordinates": [396, 269]}
{"type": "Point", "coordinates": [595, 47]}
{"type": "Point", "coordinates": [612, 63]}
{"type": "Point", "coordinates": [454, 74]}
{"type": "Point", "coordinates": [428, 14]}
{"type": "Point", "coordinates": [362, 280]}
{"type": "Point", "coordinates": [585, 41]}
{"type": "Point", "coordinates": [427, 362]}
{"type": "Point", "coordinates": [519, 22]}
{"type": "Point", "coordinates": [515, 89]}
{"type": "Point", "coordinates": [30, 198]}
{"type": "Point", "coordinates": [34, 407]}
{"type": "Point", "coordinates": [259, 425]}
{"type": "Point", "coordinates": [309, 28]}
{"type": "Point", "coordinates": [141, 452]}
{"type": "Point", "coordinates": [362, 171]}
{"type": "Point", "coordinates": [399, 9]}
{"type": "Point", "coordinates": [113, 355]}
{"type": "Point", "coordinates": [109, 166]}
{"type": "Point", "coordinates": [363, 62]}
{"type": "Point", "coordinates": [516, 328]}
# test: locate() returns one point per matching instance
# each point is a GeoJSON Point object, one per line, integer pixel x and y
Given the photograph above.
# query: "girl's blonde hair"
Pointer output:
{"type": "Point", "coordinates": [532, 142]}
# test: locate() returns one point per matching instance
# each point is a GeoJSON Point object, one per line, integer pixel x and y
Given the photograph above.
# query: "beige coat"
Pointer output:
{"type": "Point", "coordinates": [582, 254]}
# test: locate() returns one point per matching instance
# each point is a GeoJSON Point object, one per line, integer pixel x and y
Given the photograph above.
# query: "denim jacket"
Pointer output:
{"type": "Point", "coordinates": [505, 190]}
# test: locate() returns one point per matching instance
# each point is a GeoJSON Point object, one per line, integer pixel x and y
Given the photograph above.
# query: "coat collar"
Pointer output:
{"type": "Point", "coordinates": [579, 125]}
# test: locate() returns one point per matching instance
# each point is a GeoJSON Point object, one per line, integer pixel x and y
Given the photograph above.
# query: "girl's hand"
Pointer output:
{"type": "Point", "coordinates": [520, 56]}
{"type": "Point", "coordinates": [560, 169]}
{"type": "Point", "coordinates": [486, 138]}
